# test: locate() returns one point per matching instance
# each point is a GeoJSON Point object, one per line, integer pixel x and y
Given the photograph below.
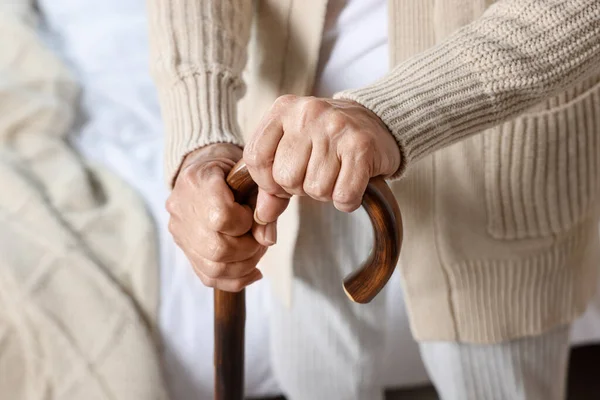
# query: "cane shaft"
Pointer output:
{"type": "Point", "coordinates": [230, 319]}
{"type": "Point", "coordinates": [230, 316]}
{"type": "Point", "coordinates": [361, 286]}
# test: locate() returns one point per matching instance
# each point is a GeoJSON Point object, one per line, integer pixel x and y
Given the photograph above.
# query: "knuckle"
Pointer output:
{"type": "Point", "coordinates": [218, 219]}
{"type": "Point", "coordinates": [171, 226]}
{"type": "Point", "coordinates": [317, 190]}
{"type": "Point", "coordinates": [216, 270]}
{"type": "Point", "coordinates": [249, 153]}
{"type": "Point", "coordinates": [172, 205]}
{"type": "Point", "coordinates": [317, 104]}
{"type": "Point", "coordinates": [285, 100]}
{"type": "Point", "coordinates": [188, 176]}
{"type": "Point", "coordinates": [216, 250]}
{"type": "Point", "coordinates": [287, 179]}
{"type": "Point", "coordinates": [311, 107]}
{"type": "Point", "coordinates": [255, 157]}
{"type": "Point", "coordinates": [336, 123]}
{"type": "Point", "coordinates": [174, 231]}
{"type": "Point", "coordinates": [347, 201]}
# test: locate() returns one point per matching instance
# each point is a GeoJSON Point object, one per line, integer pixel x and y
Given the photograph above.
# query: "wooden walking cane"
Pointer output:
{"type": "Point", "coordinates": [361, 286]}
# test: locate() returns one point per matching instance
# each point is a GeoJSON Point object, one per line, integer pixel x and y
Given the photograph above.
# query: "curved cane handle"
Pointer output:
{"type": "Point", "coordinates": [380, 204]}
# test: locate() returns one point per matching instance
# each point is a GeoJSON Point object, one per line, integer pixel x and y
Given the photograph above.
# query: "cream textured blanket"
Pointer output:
{"type": "Point", "coordinates": [78, 273]}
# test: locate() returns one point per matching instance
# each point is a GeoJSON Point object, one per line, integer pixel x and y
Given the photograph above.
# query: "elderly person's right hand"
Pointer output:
{"type": "Point", "coordinates": [218, 235]}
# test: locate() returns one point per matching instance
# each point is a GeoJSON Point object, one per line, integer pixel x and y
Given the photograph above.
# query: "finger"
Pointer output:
{"type": "Point", "coordinates": [263, 233]}
{"type": "Point", "coordinates": [236, 285]}
{"type": "Point", "coordinates": [202, 197]}
{"type": "Point", "coordinates": [259, 153]}
{"type": "Point", "coordinates": [235, 270]}
{"type": "Point", "coordinates": [350, 186]}
{"type": "Point", "coordinates": [268, 207]}
{"type": "Point", "coordinates": [230, 285]}
{"type": "Point", "coordinates": [322, 172]}
{"type": "Point", "coordinates": [266, 235]}
{"type": "Point", "coordinates": [224, 249]}
{"type": "Point", "coordinates": [291, 160]}
{"type": "Point", "coordinates": [221, 213]}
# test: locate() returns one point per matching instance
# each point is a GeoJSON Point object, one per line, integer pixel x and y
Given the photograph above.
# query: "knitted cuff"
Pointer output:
{"type": "Point", "coordinates": [427, 102]}
{"type": "Point", "coordinates": [199, 110]}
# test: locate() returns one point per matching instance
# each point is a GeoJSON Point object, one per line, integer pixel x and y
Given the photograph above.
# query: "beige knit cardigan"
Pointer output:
{"type": "Point", "coordinates": [78, 270]}
{"type": "Point", "coordinates": [500, 227]}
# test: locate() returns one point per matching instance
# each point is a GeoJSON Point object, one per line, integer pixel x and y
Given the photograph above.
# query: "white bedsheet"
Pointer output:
{"type": "Point", "coordinates": [121, 128]}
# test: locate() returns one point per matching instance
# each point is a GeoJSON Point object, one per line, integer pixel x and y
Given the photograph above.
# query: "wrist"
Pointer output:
{"type": "Point", "coordinates": [224, 152]}
{"type": "Point", "coordinates": [214, 151]}
{"type": "Point", "coordinates": [390, 149]}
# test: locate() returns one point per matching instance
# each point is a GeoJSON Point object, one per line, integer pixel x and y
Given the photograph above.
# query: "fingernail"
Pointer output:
{"type": "Point", "coordinates": [271, 234]}
{"type": "Point", "coordinates": [257, 218]}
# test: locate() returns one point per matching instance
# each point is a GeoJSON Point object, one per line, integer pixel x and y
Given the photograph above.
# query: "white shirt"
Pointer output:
{"type": "Point", "coordinates": [354, 48]}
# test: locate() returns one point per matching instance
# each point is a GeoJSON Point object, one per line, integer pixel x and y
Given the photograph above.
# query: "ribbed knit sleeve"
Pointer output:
{"type": "Point", "coordinates": [198, 52]}
{"type": "Point", "coordinates": [517, 54]}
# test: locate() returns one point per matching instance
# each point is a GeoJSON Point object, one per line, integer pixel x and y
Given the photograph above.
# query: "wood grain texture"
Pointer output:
{"type": "Point", "coordinates": [380, 204]}
{"type": "Point", "coordinates": [230, 313]}
{"type": "Point", "coordinates": [361, 286]}
{"type": "Point", "coordinates": [230, 321]}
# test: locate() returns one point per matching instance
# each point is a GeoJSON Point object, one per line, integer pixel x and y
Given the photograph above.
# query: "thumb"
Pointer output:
{"type": "Point", "coordinates": [268, 207]}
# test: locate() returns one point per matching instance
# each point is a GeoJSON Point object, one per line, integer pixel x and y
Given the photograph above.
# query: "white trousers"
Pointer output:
{"type": "Point", "coordinates": [328, 348]}
{"type": "Point", "coordinates": [532, 368]}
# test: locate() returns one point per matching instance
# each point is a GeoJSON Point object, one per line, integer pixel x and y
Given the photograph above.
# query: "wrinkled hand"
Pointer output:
{"type": "Point", "coordinates": [210, 227]}
{"type": "Point", "coordinates": [323, 148]}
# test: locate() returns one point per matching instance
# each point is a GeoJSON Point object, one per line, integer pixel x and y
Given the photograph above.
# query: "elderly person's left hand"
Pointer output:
{"type": "Point", "coordinates": [323, 148]}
